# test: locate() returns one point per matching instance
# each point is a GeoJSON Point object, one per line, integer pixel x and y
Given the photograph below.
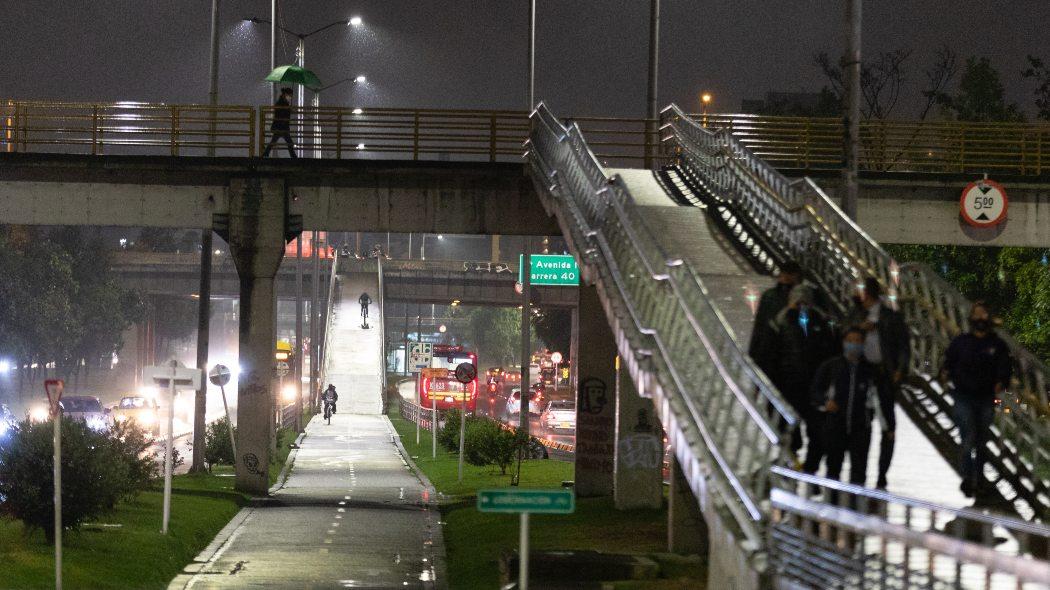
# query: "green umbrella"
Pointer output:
{"type": "Point", "coordinates": [295, 75]}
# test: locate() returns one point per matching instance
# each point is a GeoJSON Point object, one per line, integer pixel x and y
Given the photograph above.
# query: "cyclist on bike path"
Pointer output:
{"type": "Point", "coordinates": [329, 397]}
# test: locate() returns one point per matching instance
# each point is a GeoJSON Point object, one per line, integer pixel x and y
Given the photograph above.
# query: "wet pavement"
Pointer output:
{"type": "Point", "coordinates": [352, 514]}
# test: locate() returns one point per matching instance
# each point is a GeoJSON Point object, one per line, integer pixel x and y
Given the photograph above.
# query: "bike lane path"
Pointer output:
{"type": "Point", "coordinates": [352, 514]}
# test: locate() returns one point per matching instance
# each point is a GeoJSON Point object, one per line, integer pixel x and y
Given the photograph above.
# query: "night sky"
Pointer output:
{"type": "Point", "coordinates": [416, 53]}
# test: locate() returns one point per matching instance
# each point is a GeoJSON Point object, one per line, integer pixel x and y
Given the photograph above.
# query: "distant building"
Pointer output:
{"type": "Point", "coordinates": [799, 104]}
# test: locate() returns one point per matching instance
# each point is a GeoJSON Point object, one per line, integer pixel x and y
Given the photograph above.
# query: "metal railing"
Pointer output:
{"type": "Point", "coordinates": [127, 128]}
{"type": "Point", "coordinates": [828, 534]}
{"type": "Point", "coordinates": [726, 422]}
{"type": "Point", "coordinates": [417, 414]}
{"type": "Point", "coordinates": [904, 146]}
{"type": "Point", "coordinates": [803, 223]}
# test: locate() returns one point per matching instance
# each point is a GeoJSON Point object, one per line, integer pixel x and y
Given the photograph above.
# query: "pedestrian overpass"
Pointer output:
{"type": "Point", "coordinates": [671, 251]}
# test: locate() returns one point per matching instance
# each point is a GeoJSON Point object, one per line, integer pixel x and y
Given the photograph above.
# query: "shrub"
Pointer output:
{"type": "Point", "coordinates": [488, 443]}
{"type": "Point", "coordinates": [448, 434]}
{"type": "Point", "coordinates": [131, 443]}
{"type": "Point", "coordinates": [94, 475]}
{"type": "Point", "coordinates": [217, 447]}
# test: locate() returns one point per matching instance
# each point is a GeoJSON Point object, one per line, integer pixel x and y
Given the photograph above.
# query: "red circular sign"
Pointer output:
{"type": "Point", "coordinates": [983, 203]}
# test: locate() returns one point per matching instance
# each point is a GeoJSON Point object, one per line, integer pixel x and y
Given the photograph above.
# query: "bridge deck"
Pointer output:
{"type": "Point", "coordinates": [689, 233]}
{"type": "Point", "coordinates": [355, 358]}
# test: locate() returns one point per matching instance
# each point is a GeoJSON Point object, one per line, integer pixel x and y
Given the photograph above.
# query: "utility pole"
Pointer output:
{"type": "Point", "coordinates": [273, 47]}
{"type": "Point", "coordinates": [532, 56]}
{"type": "Point", "coordinates": [654, 64]}
{"type": "Point", "coordinates": [200, 402]}
{"type": "Point", "coordinates": [852, 123]}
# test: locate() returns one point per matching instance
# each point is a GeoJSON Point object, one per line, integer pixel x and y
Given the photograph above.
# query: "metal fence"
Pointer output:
{"type": "Point", "coordinates": [801, 222]}
{"type": "Point", "coordinates": [827, 534]}
{"type": "Point", "coordinates": [892, 146]}
{"type": "Point", "coordinates": [725, 421]}
{"type": "Point", "coordinates": [497, 135]}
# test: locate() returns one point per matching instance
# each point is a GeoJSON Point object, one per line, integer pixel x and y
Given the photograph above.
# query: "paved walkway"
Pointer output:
{"type": "Point", "coordinates": [352, 514]}
{"type": "Point", "coordinates": [355, 357]}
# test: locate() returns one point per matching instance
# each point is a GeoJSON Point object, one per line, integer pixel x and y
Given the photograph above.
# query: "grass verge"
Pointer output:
{"type": "Point", "coordinates": [474, 541]}
{"type": "Point", "coordinates": [134, 554]}
{"type": "Point", "coordinates": [443, 470]}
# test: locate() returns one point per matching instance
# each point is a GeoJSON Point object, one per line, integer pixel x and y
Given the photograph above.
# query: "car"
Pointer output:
{"type": "Point", "coordinates": [86, 408]}
{"type": "Point", "coordinates": [559, 415]}
{"type": "Point", "coordinates": [143, 410]}
{"type": "Point", "coordinates": [514, 402]}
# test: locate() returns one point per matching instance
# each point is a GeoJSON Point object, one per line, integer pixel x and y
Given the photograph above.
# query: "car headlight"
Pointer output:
{"type": "Point", "coordinates": [4, 427]}
{"type": "Point", "coordinates": [96, 423]}
{"type": "Point", "coordinates": [147, 418]}
{"type": "Point", "coordinates": [39, 414]}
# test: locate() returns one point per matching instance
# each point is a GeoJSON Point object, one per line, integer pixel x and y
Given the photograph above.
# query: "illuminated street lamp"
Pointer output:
{"type": "Point", "coordinates": [705, 103]}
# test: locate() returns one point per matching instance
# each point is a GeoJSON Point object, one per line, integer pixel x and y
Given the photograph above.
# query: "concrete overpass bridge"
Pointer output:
{"type": "Point", "coordinates": [670, 257]}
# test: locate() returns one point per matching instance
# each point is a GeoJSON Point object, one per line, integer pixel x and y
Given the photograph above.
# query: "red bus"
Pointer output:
{"type": "Point", "coordinates": [439, 383]}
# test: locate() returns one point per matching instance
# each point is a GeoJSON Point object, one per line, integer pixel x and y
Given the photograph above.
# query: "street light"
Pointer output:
{"type": "Point", "coordinates": [300, 50]}
{"type": "Point", "coordinates": [705, 102]}
{"type": "Point", "coordinates": [361, 79]}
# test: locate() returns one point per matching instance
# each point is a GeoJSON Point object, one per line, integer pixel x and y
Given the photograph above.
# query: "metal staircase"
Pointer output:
{"type": "Point", "coordinates": [727, 424]}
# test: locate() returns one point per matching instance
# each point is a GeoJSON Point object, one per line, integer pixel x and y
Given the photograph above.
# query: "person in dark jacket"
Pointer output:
{"type": "Point", "coordinates": [281, 126]}
{"type": "Point", "coordinates": [979, 366]}
{"type": "Point", "coordinates": [772, 302]}
{"type": "Point", "coordinates": [887, 347]}
{"type": "Point", "coordinates": [844, 391]}
{"type": "Point", "coordinates": [803, 339]}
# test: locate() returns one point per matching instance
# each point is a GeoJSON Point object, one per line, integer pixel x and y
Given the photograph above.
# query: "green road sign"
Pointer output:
{"type": "Point", "coordinates": [552, 269]}
{"type": "Point", "coordinates": [528, 501]}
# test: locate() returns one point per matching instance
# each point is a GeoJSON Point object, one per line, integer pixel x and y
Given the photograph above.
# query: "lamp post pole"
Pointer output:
{"type": "Point", "coordinates": [654, 63]}
{"type": "Point", "coordinates": [273, 47]}
{"type": "Point", "coordinates": [849, 198]}
{"type": "Point", "coordinates": [532, 56]}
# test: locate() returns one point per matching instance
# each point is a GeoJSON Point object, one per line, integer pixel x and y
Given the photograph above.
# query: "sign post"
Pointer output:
{"type": "Point", "coordinates": [465, 373]}
{"type": "Point", "coordinates": [526, 502]}
{"type": "Point", "coordinates": [220, 375]}
{"type": "Point", "coordinates": [173, 376]}
{"type": "Point", "coordinates": [556, 359]}
{"type": "Point", "coordinates": [54, 387]}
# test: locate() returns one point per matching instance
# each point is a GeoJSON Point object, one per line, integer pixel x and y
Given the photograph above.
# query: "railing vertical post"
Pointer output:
{"type": "Point", "coordinates": [174, 130]}
{"type": "Point", "coordinates": [415, 135]}
{"type": "Point", "coordinates": [339, 134]}
{"type": "Point", "coordinates": [251, 132]}
{"type": "Point", "coordinates": [261, 131]}
{"type": "Point", "coordinates": [492, 138]}
{"type": "Point", "coordinates": [94, 130]}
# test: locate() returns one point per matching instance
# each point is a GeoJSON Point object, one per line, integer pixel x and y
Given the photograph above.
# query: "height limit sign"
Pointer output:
{"type": "Point", "coordinates": [983, 203]}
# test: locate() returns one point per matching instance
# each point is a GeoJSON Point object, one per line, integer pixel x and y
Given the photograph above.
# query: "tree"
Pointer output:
{"type": "Point", "coordinates": [980, 96]}
{"type": "Point", "coordinates": [1038, 72]}
{"type": "Point", "coordinates": [497, 334]}
{"type": "Point", "coordinates": [554, 327]}
{"type": "Point", "coordinates": [881, 80]}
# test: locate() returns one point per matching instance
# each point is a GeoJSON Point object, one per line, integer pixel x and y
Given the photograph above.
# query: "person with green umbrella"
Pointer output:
{"type": "Point", "coordinates": [281, 126]}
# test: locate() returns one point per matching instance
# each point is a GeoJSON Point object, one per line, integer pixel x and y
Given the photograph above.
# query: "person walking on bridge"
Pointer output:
{"type": "Point", "coordinates": [772, 302]}
{"type": "Point", "coordinates": [803, 339]}
{"type": "Point", "coordinates": [282, 121]}
{"type": "Point", "coordinates": [844, 390]}
{"type": "Point", "coordinates": [887, 347]}
{"type": "Point", "coordinates": [979, 367]}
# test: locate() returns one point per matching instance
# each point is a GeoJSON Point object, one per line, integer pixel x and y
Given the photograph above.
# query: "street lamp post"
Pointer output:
{"type": "Point", "coordinates": [316, 103]}
{"type": "Point", "coordinates": [300, 51]}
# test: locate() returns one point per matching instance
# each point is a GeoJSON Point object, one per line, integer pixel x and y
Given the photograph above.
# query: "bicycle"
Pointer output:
{"type": "Point", "coordinates": [364, 317]}
{"type": "Point", "coordinates": [328, 412]}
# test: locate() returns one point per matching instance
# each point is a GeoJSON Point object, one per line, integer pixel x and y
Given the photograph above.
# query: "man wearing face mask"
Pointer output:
{"type": "Point", "coordinates": [979, 367]}
{"type": "Point", "coordinates": [844, 389]}
{"type": "Point", "coordinates": [803, 339]}
{"type": "Point", "coordinates": [887, 348]}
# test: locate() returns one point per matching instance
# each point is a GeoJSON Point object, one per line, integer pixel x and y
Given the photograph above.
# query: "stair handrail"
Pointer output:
{"type": "Point", "coordinates": [841, 254]}
{"type": "Point", "coordinates": [662, 310]}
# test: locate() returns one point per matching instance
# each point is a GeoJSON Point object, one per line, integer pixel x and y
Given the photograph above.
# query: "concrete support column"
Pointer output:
{"type": "Point", "coordinates": [257, 223]}
{"type": "Point", "coordinates": [638, 463]}
{"type": "Point", "coordinates": [595, 356]}
{"type": "Point", "coordinates": [687, 531]}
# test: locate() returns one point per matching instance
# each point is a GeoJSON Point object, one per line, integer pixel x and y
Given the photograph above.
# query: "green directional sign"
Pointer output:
{"type": "Point", "coordinates": [551, 269]}
{"type": "Point", "coordinates": [528, 501]}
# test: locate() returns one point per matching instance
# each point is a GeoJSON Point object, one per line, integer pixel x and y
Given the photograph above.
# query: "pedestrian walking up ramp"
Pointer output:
{"type": "Point", "coordinates": [355, 352]}
{"type": "Point", "coordinates": [676, 284]}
